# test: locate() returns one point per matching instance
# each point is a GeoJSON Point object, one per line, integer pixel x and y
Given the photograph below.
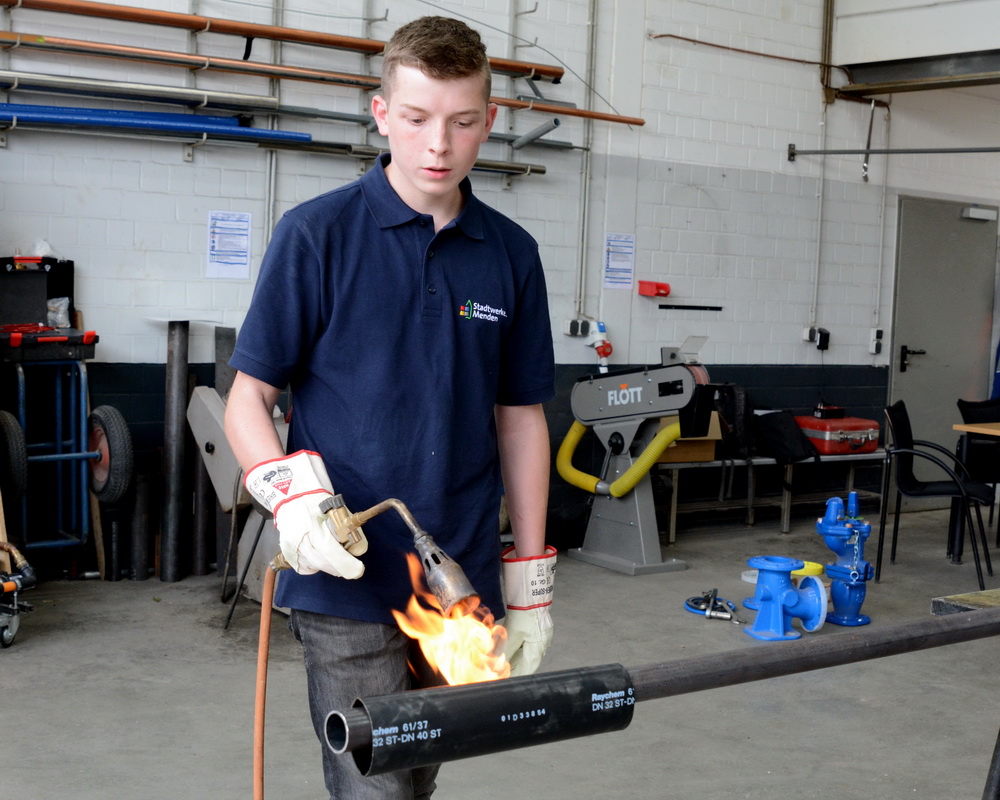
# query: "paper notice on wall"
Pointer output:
{"type": "Point", "coordinates": [619, 260]}
{"type": "Point", "coordinates": [228, 245]}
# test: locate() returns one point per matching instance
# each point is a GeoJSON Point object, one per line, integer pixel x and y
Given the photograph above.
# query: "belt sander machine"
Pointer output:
{"type": "Point", "coordinates": [625, 409]}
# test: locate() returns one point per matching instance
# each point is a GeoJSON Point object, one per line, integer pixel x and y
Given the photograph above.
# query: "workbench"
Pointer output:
{"type": "Point", "coordinates": [751, 501]}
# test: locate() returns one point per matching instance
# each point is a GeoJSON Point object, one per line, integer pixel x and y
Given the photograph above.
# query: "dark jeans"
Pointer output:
{"type": "Point", "coordinates": [346, 659]}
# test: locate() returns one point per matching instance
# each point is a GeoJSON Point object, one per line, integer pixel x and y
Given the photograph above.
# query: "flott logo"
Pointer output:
{"type": "Point", "coordinates": [624, 395]}
{"type": "Point", "coordinates": [482, 311]}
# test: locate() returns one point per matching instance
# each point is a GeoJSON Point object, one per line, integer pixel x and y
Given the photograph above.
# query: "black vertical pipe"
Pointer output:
{"type": "Point", "coordinates": [113, 572]}
{"type": "Point", "coordinates": [139, 550]}
{"type": "Point", "coordinates": [173, 449]}
{"type": "Point", "coordinates": [204, 517]}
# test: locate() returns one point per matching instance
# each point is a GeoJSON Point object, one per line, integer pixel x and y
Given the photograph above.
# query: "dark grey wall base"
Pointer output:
{"type": "Point", "coordinates": [137, 390]}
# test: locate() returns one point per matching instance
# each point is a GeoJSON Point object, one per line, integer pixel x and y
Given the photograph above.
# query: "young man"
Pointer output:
{"type": "Point", "coordinates": [411, 322]}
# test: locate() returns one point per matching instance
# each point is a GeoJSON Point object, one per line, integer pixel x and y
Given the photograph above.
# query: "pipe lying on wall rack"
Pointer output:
{"type": "Point", "coordinates": [200, 24]}
{"type": "Point", "coordinates": [361, 152]}
{"type": "Point", "coordinates": [59, 44]}
{"type": "Point", "coordinates": [430, 726]}
{"type": "Point", "coordinates": [224, 127]}
{"type": "Point", "coordinates": [198, 62]}
{"type": "Point", "coordinates": [14, 80]}
{"type": "Point", "coordinates": [36, 82]}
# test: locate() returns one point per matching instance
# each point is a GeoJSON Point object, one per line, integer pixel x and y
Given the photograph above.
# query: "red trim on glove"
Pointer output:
{"type": "Point", "coordinates": [549, 552]}
{"type": "Point", "coordinates": [296, 497]}
{"type": "Point", "coordinates": [272, 460]}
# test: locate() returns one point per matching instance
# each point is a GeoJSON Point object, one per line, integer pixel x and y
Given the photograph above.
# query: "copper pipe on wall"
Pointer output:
{"type": "Point", "coordinates": [198, 62]}
{"type": "Point", "coordinates": [549, 108]}
{"type": "Point", "coordinates": [194, 22]}
{"type": "Point", "coordinates": [166, 57]}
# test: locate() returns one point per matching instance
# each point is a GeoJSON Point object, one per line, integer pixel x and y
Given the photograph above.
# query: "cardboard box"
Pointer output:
{"type": "Point", "coordinates": [696, 448]}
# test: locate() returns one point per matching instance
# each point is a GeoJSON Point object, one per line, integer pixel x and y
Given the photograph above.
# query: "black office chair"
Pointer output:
{"type": "Point", "coordinates": [958, 484]}
{"type": "Point", "coordinates": [982, 453]}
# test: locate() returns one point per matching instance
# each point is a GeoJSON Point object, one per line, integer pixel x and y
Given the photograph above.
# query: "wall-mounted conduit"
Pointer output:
{"type": "Point", "coordinates": [793, 151]}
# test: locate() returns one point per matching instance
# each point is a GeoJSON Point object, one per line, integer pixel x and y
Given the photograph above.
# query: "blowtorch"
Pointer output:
{"type": "Point", "coordinates": [445, 579]}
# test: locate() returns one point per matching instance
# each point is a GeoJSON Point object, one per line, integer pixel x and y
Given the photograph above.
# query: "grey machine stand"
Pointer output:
{"type": "Point", "coordinates": [624, 410]}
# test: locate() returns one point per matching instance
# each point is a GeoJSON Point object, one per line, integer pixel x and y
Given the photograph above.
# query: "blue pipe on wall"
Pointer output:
{"type": "Point", "coordinates": [222, 127]}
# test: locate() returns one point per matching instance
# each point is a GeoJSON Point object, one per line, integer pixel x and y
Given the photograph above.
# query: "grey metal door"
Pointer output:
{"type": "Point", "coordinates": [943, 314]}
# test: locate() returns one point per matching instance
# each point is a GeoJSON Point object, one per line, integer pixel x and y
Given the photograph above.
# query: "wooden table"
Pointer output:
{"type": "Point", "coordinates": [984, 428]}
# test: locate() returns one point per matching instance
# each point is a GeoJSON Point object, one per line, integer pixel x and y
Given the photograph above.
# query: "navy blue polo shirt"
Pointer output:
{"type": "Point", "coordinates": [397, 343]}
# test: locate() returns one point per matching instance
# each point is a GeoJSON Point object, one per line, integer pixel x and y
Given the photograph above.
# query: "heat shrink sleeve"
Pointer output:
{"type": "Point", "coordinates": [430, 726]}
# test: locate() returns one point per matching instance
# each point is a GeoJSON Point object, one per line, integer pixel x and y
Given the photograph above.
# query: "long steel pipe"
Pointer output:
{"type": "Point", "coordinates": [59, 44]}
{"type": "Point", "coordinates": [385, 733]}
{"type": "Point", "coordinates": [11, 80]}
{"type": "Point", "coordinates": [198, 23]}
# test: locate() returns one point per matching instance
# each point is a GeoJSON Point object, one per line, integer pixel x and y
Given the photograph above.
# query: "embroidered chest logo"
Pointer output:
{"type": "Point", "coordinates": [471, 310]}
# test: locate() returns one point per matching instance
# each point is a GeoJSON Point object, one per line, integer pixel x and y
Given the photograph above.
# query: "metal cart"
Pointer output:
{"type": "Point", "coordinates": [69, 449]}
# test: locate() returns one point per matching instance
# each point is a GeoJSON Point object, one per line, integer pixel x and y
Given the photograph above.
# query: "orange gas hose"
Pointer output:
{"type": "Point", "coordinates": [263, 644]}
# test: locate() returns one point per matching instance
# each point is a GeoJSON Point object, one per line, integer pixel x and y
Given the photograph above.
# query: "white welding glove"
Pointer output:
{"type": "Point", "coordinates": [528, 586]}
{"type": "Point", "coordinates": [292, 487]}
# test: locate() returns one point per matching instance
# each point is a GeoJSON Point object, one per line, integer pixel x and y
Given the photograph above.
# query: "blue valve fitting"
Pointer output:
{"type": "Point", "coordinates": [845, 533]}
{"type": "Point", "coordinates": [780, 602]}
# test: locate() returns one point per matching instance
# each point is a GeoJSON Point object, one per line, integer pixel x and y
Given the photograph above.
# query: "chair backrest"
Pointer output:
{"type": "Point", "coordinates": [898, 423]}
{"type": "Point", "coordinates": [980, 410]}
{"type": "Point", "coordinates": [982, 453]}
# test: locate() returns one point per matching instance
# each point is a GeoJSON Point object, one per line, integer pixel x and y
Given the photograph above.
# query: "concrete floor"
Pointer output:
{"type": "Point", "coordinates": [133, 689]}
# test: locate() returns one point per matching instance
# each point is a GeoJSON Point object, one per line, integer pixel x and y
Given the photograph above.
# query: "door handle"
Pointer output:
{"type": "Point", "coordinates": [904, 353]}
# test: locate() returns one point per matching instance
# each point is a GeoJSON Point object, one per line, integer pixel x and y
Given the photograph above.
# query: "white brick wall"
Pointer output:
{"type": "Point", "coordinates": [705, 185]}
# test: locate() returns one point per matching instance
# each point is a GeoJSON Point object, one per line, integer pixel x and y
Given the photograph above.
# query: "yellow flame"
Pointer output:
{"type": "Point", "coordinates": [464, 647]}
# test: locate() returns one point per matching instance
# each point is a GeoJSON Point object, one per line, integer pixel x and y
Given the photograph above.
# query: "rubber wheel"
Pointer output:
{"type": "Point", "coordinates": [6, 636]}
{"type": "Point", "coordinates": [111, 471]}
{"type": "Point", "coordinates": [13, 457]}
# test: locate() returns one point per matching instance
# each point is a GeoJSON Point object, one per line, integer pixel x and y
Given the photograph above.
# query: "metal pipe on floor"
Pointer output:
{"type": "Point", "coordinates": [173, 449]}
{"type": "Point", "coordinates": [431, 726]}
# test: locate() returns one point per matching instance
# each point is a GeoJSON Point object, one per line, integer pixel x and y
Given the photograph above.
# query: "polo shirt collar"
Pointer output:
{"type": "Point", "coordinates": [390, 211]}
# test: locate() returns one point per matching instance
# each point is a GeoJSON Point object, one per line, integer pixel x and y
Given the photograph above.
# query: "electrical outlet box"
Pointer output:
{"type": "Point", "coordinates": [822, 339]}
{"type": "Point", "coordinates": [576, 327]}
{"type": "Point", "coordinates": [875, 342]}
{"type": "Point", "coordinates": [808, 334]}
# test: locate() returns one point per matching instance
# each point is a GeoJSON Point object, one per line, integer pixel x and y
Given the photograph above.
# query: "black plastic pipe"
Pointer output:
{"type": "Point", "coordinates": [429, 726]}
{"type": "Point", "coordinates": [379, 731]}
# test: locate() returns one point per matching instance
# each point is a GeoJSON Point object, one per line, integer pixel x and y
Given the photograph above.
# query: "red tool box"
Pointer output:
{"type": "Point", "coordinates": [841, 436]}
{"type": "Point", "coordinates": [43, 343]}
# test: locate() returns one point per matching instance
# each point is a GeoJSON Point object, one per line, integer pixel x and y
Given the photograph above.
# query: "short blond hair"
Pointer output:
{"type": "Point", "coordinates": [441, 48]}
